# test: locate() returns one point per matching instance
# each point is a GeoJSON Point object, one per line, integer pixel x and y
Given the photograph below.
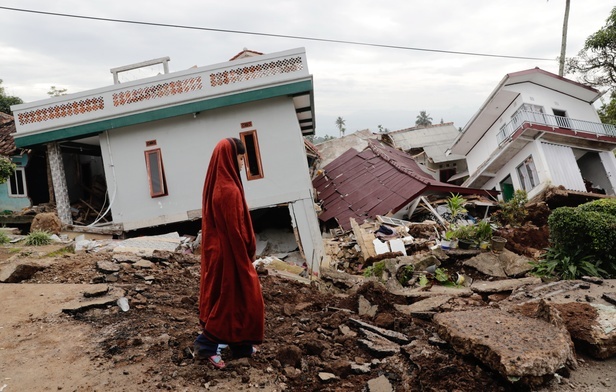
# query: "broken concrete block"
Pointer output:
{"type": "Point", "coordinates": [391, 335]}
{"type": "Point", "coordinates": [365, 308]}
{"type": "Point", "coordinates": [325, 377]}
{"type": "Point", "coordinates": [425, 305]}
{"type": "Point", "coordinates": [16, 272]}
{"type": "Point", "coordinates": [144, 264]}
{"type": "Point", "coordinates": [487, 263]}
{"type": "Point", "coordinates": [380, 384]}
{"type": "Point", "coordinates": [378, 345]}
{"type": "Point", "coordinates": [500, 286]}
{"type": "Point", "coordinates": [107, 267]}
{"type": "Point", "coordinates": [516, 346]}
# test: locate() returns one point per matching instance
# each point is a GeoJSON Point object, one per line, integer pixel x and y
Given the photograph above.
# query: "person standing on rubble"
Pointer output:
{"type": "Point", "coordinates": [231, 307]}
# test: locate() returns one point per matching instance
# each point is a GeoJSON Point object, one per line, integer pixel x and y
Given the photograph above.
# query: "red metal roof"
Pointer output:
{"type": "Point", "coordinates": [374, 182]}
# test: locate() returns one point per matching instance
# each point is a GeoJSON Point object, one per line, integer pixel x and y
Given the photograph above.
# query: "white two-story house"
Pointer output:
{"type": "Point", "coordinates": [149, 142]}
{"type": "Point", "coordinates": [535, 130]}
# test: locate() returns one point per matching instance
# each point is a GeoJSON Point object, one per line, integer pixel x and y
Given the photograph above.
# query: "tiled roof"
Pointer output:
{"type": "Point", "coordinates": [245, 53]}
{"type": "Point", "coordinates": [376, 181]}
{"type": "Point", "coordinates": [7, 128]}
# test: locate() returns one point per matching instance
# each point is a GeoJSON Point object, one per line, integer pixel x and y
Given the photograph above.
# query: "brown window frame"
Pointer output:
{"type": "Point", "coordinates": [154, 192]}
{"type": "Point", "coordinates": [252, 158]}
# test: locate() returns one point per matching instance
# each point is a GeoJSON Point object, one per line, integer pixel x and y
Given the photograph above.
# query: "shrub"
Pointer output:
{"type": "Point", "coordinates": [375, 270]}
{"type": "Point", "coordinates": [4, 239]}
{"type": "Point", "coordinates": [7, 168]}
{"type": "Point", "coordinates": [405, 274]}
{"type": "Point", "coordinates": [559, 263]}
{"type": "Point", "coordinates": [513, 212]}
{"type": "Point", "coordinates": [602, 206]}
{"type": "Point", "coordinates": [592, 232]}
{"type": "Point", "coordinates": [38, 237]}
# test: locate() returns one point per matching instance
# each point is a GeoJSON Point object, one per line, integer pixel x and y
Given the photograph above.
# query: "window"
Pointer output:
{"type": "Point", "coordinates": [254, 170]}
{"type": "Point", "coordinates": [528, 174]}
{"type": "Point", "coordinates": [17, 183]}
{"type": "Point", "coordinates": [156, 173]}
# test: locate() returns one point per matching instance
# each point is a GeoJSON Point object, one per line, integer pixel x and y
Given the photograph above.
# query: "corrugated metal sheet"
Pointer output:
{"type": "Point", "coordinates": [373, 182]}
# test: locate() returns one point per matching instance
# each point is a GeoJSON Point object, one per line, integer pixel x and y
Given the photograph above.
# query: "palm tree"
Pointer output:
{"type": "Point", "coordinates": [423, 119]}
{"type": "Point", "coordinates": [340, 125]}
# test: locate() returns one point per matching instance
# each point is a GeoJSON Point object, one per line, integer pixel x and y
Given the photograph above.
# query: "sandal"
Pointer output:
{"type": "Point", "coordinates": [217, 361]}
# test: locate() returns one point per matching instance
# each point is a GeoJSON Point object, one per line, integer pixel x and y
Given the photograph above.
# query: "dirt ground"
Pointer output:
{"type": "Point", "coordinates": [308, 331]}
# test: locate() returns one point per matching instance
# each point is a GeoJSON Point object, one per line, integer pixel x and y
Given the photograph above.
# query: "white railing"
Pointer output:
{"type": "Point", "coordinates": [165, 90]}
{"type": "Point", "coordinates": [522, 116]}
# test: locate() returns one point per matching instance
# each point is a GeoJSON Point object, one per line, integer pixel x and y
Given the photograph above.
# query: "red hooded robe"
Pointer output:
{"type": "Point", "coordinates": [231, 308]}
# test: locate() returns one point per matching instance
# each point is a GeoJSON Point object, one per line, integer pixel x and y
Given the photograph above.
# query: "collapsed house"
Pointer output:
{"type": "Point", "coordinates": [379, 180]}
{"type": "Point", "coordinates": [147, 143]}
{"type": "Point", "coordinates": [538, 130]}
{"type": "Point", "coordinates": [428, 146]}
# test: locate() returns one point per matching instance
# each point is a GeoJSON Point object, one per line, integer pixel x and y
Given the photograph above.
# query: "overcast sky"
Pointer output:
{"type": "Point", "coordinates": [366, 86]}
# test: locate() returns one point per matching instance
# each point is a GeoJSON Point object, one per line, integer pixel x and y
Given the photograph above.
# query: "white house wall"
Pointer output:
{"type": "Point", "coordinates": [550, 99]}
{"type": "Point", "coordinates": [186, 144]}
{"type": "Point", "coordinates": [609, 164]}
{"type": "Point", "coordinates": [531, 94]}
{"type": "Point", "coordinates": [511, 169]}
{"type": "Point", "coordinates": [564, 169]}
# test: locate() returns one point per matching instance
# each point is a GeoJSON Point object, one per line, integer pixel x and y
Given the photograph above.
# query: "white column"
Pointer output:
{"type": "Point", "coordinates": [63, 206]}
{"type": "Point", "coordinates": [304, 218]}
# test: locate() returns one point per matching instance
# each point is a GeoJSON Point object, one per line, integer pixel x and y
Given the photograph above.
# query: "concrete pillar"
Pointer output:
{"type": "Point", "coordinates": [58, 177]}
{"type": "Point", "coordinates": [304, 220]}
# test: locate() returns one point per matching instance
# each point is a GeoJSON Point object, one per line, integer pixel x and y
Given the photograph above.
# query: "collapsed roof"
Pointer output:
{"type": "Point", "coordinates": [376, 181]}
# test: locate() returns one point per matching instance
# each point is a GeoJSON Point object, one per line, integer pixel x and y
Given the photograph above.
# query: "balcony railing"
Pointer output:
{"type": "Point", "coordinates": [523, 116]}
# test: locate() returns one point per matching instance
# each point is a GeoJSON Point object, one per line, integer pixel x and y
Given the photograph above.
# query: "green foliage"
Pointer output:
{"type": "Point", "coordinates": [340, 122]}
{"type": "Point", "coordinates": [602, 206]}
{"type": "Point", "coordinates": [594, 64]}
{"type": "Point", "coordinates": [405, 274]}
{"type": "Point", "coordinates": [466, 232]}
{"type": "Point", "coordinates": [566, 264]}
{"type": "Point", "coordinates": [593, 232]}
{"type": "Point", "coordinates": [38, 238]}
{"type": "Point", "coordinates": [7, 100]}
{"type": "Point", "coordinates": [455, 203]}
{"type": "Point", "coordinates": [4, 239]}
{"type": "Point", "coordinates": [56, 92]}
{"type": "Point", "coordinates": [423, 119]}
{"type": "Point", "coordinates": [607, 111]}
{"type": "Point", "coordinates": [513, 212]}
{"type": "Point", "coordinates": [7, 168]}
{"type": "Point", "coordinates": [423, 280]}
{"type": "Point", "coordinates": [484, 230]}
{"type": "Point", "coordinates": [375, 270]}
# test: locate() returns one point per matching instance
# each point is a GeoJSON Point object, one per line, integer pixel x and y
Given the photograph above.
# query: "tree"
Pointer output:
{"type": "Point", "coordinates": [423, 119]}
{"type": "Point", "coordinates": [7, 100]}
{"type": "Point", "coordinates": [607, 111]}
{"type": "Point", "coordinates": [340, 125]}
{"type": "Point", "coordinates": [55, 92]}
{"type": "Point", "coordinates": [382, 129]}
{"type": "Point", "coordinates": [595, 64]}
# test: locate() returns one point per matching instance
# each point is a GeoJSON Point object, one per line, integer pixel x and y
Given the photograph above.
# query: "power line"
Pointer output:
{"type": "Point", "coordinates": [273, 35]}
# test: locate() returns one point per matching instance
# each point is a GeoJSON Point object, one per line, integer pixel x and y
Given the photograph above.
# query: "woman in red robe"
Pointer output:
{"type": "Point", "coordinates": [231, 308]}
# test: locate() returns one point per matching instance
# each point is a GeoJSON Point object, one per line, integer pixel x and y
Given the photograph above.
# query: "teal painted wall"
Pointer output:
{"type": "Point", "coordinates": [11, 203]}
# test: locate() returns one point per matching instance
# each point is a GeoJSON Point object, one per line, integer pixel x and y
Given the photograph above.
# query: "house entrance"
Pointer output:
{"type": "Point", "coordinates": [506, 187]}
{"type": "Point", "coordinates": [275, 233]}
{"type": "Point", "coordinates": [593, 172]}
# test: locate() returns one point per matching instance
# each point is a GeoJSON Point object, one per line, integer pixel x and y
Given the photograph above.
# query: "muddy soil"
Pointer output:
{"type": "Point", "coordinates": [308, 331]}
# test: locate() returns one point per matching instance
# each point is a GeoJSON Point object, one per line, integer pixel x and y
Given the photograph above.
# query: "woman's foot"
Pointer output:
{"type": "Point", "coordinates": [217, 361]}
